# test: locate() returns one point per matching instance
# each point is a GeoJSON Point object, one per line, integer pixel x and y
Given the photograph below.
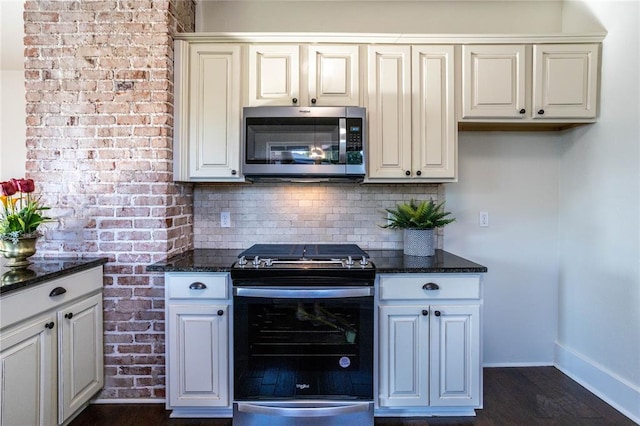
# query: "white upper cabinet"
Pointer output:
{"type": "Point", "coordinates": [207, 132]}
{"type": "Point", "coordinates": [334, 78]}
{"type": "Point", "coordinates": [493, 81]}
{"type": "Point", "coordinates": [418, 91]}
{"type": "Point", "coordinates": [389, 111]}
{"type": "Point", "coordinates": [274, 75]}
{"type": "Point", "coordinates": [434, 133]}
{"type": "Point", "coordinates": [541, 82]}
{"type": "Point", "coordinates": [565, 80]}
{"type": "Point", "coordinates": [278, 74]}
{"type": "Point", "coordinates": [412, 127]}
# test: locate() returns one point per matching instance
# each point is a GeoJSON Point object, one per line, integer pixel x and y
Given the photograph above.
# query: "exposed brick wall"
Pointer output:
{"type": "Point", "coordinates": [99, 87]}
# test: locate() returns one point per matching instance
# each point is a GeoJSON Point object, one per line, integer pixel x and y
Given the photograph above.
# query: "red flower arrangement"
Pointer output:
{"type": "Point", "coordinates": [21, 210]}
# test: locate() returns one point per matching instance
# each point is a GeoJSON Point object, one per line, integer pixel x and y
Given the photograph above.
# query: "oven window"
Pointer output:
{"type": "Point", "coordinates": [303, 348]}
{"type": "Point", "coordinates": [292, 141]}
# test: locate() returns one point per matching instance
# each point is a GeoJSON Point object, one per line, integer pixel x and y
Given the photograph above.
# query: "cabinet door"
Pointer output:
{"type": "Point", "coordinates": [81, 354]}
{"type": "Point", "coordinates": [28, 374]}
{"type": "Point", "coordinates": [274, 75]}
{"type": "Point", "coordinates": [404, 362]}
{"type": "Point", "coordinates": [455, 356]}
{"type": "Point", "coordinates": [214, 112]}
{"type": "Point", "coordinates": [565, 80]}
{"type": "Point", "coordinates": [197, 348]}
{"type": "Point", "coordinates": [389, 108]}
{"type": "Point", "coordinates": [493, 81]}
{"type": "Point", "coordinates": [334, 75]}
{"type": "Point", "coordinates": [434, 136]}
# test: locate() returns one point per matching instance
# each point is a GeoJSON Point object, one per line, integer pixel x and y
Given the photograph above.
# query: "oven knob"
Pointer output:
{"type": "Point", "coordinates": [268, 262]}
{"type": "Point", "coordinates": [256, 261]}
{"type": "Point", "coordinates": [242, 261]}
{"type": "Point", "coordinates": [364, 261]}
{"type": "Point", "coordinates": [349, 261]}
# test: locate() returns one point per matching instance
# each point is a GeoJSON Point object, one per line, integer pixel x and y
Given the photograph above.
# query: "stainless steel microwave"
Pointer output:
{"type": "Point", "coordinates": [289, 143]}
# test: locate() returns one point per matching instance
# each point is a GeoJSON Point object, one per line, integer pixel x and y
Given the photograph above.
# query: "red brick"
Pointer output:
{"type": "Point", "coordinates": [134, 326]}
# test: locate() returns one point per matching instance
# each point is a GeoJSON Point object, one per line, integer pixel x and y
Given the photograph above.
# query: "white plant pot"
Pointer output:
{"type": "Point", "coordinates": [419, 242]}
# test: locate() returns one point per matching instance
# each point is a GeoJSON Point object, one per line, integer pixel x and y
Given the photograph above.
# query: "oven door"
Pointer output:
{"type": "Point", "coordinates": [303, 343]}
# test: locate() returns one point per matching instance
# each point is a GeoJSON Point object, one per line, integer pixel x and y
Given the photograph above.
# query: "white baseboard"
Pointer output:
{"type": "Point", "coordinates": [517, 364]}
{"type": "Point", "coordinates": [128, 401]}
{"type": "Point", "coordinates": [614, 390]}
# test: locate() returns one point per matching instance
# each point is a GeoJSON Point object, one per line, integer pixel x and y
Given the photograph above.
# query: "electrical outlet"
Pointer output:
{"type": "Point", "coordinates": [225, 219]}
{"type": "Point", "coordinates": [483, 219]}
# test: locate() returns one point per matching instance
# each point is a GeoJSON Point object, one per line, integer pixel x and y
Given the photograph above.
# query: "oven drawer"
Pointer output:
{"type": "Point", "coordinates": [197, 285]}
{"type": "Point", "coordinates": [429, 286]}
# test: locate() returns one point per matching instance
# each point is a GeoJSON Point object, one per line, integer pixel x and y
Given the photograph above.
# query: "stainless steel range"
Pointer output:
{"type": "Point", "coordinates": [303, 335]}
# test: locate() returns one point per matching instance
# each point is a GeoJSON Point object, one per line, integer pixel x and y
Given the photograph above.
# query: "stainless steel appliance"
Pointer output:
{"type": "Point", "coordinates": [288, 143]}
{"type": "Point", "coordinates": [303, 335]}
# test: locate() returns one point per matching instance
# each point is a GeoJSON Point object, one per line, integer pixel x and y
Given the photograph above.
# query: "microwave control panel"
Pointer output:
{"type": "Point", "coordinates": [354, 134]}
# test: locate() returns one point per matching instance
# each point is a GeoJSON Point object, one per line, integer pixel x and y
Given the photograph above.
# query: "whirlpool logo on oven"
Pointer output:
{"type": "Point", "coordinates": [302, 386]}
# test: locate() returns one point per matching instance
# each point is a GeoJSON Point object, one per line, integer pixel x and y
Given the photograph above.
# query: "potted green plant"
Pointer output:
{"type": "Point", "coordinates": [418, 219]}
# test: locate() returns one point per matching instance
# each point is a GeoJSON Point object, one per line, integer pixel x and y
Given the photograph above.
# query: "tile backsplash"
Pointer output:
{"type": "Point", "coordinates": [302, 213]}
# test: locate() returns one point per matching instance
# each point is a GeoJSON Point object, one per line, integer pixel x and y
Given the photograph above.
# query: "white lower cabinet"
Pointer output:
{"type": "Point", "coordinates": [198, 308]}
{"type": "Point", "coordinates": [404, 362]}
{"type": "Point", "coordinates": [27, 373]}
{"type": "Point", "coordinates": [80, 347]}
{"type": "Point", "coordinates": [429, 345]}
{"type": "Point", "coordinates": [51, 349]}
{"type": "Point", "coordinates": [454, 355]}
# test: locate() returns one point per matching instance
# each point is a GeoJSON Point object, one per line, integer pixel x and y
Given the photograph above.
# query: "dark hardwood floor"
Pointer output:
{"type": "Point", "coordinates": [512, 396]}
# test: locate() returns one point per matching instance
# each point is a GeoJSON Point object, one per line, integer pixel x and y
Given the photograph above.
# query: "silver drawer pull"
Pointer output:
{"type": "Point", "coordinates": [431, 286]}
{"type": "Point", "coordinates": [197, 286]}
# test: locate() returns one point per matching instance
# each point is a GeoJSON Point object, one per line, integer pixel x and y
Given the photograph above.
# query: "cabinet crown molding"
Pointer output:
{"type": "Point", "coordinates": [390, 38]}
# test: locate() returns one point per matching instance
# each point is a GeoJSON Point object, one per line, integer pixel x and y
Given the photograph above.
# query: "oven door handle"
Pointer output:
{"type": "Point", "coordinates": [322, 411]}
{"type": "Point", "coordinates": [306, 292]}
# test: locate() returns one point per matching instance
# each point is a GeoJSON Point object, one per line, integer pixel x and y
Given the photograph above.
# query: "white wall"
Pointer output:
{"type": "Point", "coordinates": [514, 177]}
{"type": "Point", "coordinates": [427, 16]}
{"type": "Point", "coordinates": [599, 222]}
{"type": "Point", "coordinates": [13, 151]}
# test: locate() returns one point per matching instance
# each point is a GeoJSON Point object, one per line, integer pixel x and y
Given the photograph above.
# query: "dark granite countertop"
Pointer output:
{"type": "Point", "coordinates": [42, 270]}
{"type": "Point", "coordinates": [386, 261]}
{"type": "Point", "coordinates": [392, 261]}
{"type": "Point", "coordinates": [198, 260]}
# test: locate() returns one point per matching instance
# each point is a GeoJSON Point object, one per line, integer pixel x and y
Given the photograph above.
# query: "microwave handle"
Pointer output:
{"type": "Point", "coordinates": [342, 143]}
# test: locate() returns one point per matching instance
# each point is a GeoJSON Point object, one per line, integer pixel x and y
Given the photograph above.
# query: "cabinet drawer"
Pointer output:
{"type": "Point", "coordinates": [197, 286]}
{"type": "Point", "coordinates": [410, 286]}
{"type": "Point", "coordinates": [22, 304]}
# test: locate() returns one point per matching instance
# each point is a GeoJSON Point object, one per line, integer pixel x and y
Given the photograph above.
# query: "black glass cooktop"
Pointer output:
{"type": "Point", "coordinates": [303, 251]}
